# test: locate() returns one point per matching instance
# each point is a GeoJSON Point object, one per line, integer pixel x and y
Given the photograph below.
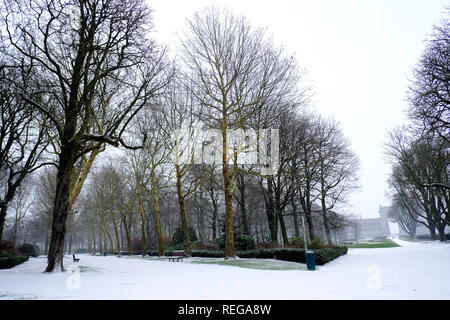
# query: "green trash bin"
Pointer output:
{"type": "Point", "coordinates": [310, 260]}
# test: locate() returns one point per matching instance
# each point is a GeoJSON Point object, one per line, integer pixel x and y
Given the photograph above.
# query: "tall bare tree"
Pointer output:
{"type": "Point", "coordinates": [429, 92]}
{"type": "Point", "coordinates": [97, 66]}
{"type": "Point", "coordinates": [22, 140]}
{"type": "Point", "coordinates": [233, 70]}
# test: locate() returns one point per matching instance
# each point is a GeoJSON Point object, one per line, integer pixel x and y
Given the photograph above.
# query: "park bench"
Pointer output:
{"type": "Point", "coordinates": [177, 256]}
{"type": "Point", "coordinates": [75, 259]}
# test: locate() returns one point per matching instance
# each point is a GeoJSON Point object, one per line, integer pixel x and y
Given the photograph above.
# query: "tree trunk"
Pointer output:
{"type": "Point", "coordinates": [245, 229]}
{"type": "Point", "coordinates": [100, 238]}
{"type": "Point", "coordinates": [116, 231]}
{"type": "Point", "coordinates": [184, 223]}
{"type": "Point", "coordinates": [325, 221]}
{"type": "Point", "coordinates": [229, 233]}
{"type": "Point", "coordinates": [16, 223]}
{"type": "Point", "coordinates": [270, 212]}
{"type": "Point", "coordinates": [441, 230]}
{"type": "Point", "coordinates": [294, 215]}
{"type": "Point", "coordinates": [214, 215]}
{"type": "Point", "coordinates": [309, 220]}
{"type": "Point", "coordinates": [279, 211]}
{"type": "Point", "coordinates": [61, 204]}
{"type": "Point", "coordinates": [158, 227]}
{"type": "Point", "coordinates": [3, 211]}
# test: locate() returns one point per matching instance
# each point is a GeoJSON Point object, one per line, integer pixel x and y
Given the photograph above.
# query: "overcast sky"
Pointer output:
{"type": "Point", "coordinates": [359, 55]}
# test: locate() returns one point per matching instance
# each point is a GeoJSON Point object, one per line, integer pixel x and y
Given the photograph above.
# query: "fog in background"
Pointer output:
{"type": "Point", "coordinates": [359, 55]}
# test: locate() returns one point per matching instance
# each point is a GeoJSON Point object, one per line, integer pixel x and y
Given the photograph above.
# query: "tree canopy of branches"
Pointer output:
{"type": "Point", "coordinates": [22, 137]}
{"type": "Point", "coordinates": [234, 70]}
{"type": "Point", "coordinates": [96, 73]}
{"type": "Point", "coordinates": [429, 93]}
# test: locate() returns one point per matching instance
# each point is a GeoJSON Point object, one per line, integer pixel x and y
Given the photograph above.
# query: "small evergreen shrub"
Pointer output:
{"type": "Point", "coordinates": [9, 262]}
{"type": "Point", "coordinates": [297, 242]}
{"type": "Point", "coordinates": [244, 242]}
{"type": "Point", "coordinates": [241, 242]}
{"type": "Point", "coordinates": [317, 244]}
{"type": "Point", "coordinates": [177, 237]}
{"type": "Point", "coordinates": [29, 249]}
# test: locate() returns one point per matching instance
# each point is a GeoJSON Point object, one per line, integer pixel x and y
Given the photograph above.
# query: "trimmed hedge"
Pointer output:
{"type": "Point", "coordinates": [9, 262]}
{"type": "Point", "coordinates": [321, 256]}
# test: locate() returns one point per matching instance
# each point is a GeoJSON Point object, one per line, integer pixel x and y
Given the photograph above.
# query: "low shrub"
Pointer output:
{"type": "Point", "coordinates": [241, 242]}
{"type": "Point", "coordinates": [7, 249]}
{"type": "Point", "coordinates": [257, 254]}
{"type": "Point", "coordinates": [325, 255]}
{"type": "Point", "coordinates": [296, 242]}
{"type": "Point", "coordinates": [9, 262]}
{"type": "Point", "coordinates": [290, 254]}
{"type": "Point", "coordinates": [29, 249]}
{"type": "Point", "coordinates": [208, 253]}
{"type": "Point", "coordinates": [177, 237]}
{"type": "Point", "coordinates": [317, 244]}
{"type": "Point", "coordinates": [244, 242]}
{"type": "Point", "coordinates": [322, 256]}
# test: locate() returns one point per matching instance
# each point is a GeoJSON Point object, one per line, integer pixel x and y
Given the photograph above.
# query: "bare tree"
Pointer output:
{"type": "Point", "coordinates": [99, 69]}
{"type": "Point", "coordinates": [401, 213]}
{"type": "Point", "coordinates": [337, 170]}
{"type": "Point", "coordinates": [22, 141]}
{"type": "Point", "coordinates": [429, 92]}
{"type": "Point", "coordinates": [233, 71]}
{"type": "Point", "coordinates": [417, 164]}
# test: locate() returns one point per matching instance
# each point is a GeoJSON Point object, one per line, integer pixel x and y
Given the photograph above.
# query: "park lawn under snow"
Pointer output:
{"type": "Point", "coordinates": [412, 271]}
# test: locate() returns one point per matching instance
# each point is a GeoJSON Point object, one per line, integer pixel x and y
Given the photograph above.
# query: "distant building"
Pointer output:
{"type": "Point", "coordinates": [345, 229]}
{"type": "Point", "coordinates": [370, 228]}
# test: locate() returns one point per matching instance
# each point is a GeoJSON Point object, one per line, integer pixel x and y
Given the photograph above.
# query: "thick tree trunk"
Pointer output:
{"type": "Point", "coordinates": [56, 249]}
{"type": "Point", "coordinates": [229, 233]}
{"type": "Point", "coordinates": [271, 214]}
{"type": "Point", "coordinates": [441, 230]}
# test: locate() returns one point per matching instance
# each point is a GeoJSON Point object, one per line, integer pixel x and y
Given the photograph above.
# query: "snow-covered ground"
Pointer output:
{"type": "Point", "coordinates": [413, 271]}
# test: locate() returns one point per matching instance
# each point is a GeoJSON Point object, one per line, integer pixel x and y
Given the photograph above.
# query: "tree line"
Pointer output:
{"type": "Point", "coordinates": [79, 78]}
{"type": "Point", "coordinates": [420, 152]}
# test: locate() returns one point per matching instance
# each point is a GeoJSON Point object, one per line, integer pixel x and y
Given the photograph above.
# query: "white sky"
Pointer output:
{"type": "Point", "coordinates": [358, 53]}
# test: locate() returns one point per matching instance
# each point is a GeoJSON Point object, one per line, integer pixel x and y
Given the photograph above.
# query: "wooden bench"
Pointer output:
{"type": "Point", "coordinates": [177, 256]}
{"type": "Point", "coordinates": [75, 259]}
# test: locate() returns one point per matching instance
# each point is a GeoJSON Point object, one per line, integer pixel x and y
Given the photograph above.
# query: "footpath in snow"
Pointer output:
{"type": "Point", "coordinates": [413, 271]}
